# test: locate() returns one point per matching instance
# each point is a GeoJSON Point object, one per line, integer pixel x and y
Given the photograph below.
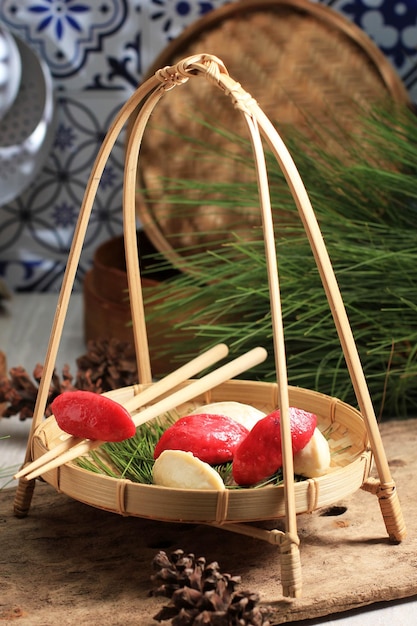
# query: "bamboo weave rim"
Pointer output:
{"type": "Point", "coordinates": [258, 126]}
{"type": "Point", "coordinates": [312, 70]}
{"type": "Point", "coordinates": [348, 441]}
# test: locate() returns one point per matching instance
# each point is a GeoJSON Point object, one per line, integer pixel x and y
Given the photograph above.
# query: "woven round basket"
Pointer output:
{"type": "Point", "coordinates": [313, 72]}
{"type": "Point", "coordinates": [343, 425]}
{"type": "Point", "coordinates": [354, 436]}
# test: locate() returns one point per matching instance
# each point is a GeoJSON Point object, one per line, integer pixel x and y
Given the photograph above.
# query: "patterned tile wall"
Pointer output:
{"type": "Point", "coordinates": [97, 52]}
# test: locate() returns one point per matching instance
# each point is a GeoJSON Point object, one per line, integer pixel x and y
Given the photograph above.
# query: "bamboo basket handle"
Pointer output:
{"type": "Point", "coordinates": [214, 70]}
{"type": "Point", "coordinates": [24, 489]}
{"type": "Point", "coordinates": [388, 497]}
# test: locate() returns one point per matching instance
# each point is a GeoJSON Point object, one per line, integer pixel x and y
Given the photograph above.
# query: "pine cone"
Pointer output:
{"type": "Point", "coordinates": [201, 595]}
{"type": "Point", "coordinates": [19, 392]}
{"type": "Point", "coordinates": [106, 366]}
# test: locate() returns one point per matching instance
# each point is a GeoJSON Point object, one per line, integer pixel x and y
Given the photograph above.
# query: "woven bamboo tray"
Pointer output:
{"type": "Point", "coordinates": [311, 70]}
{"type": "Point", "coordinates": [355, 437]}
{"type": "Point", "coordinates": [351, 459]}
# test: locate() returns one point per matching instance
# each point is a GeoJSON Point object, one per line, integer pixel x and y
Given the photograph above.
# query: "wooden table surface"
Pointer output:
{"type": "Point", "coordinates": [24, 331]}
{"type": "Point", "coordinates": [25, 326]}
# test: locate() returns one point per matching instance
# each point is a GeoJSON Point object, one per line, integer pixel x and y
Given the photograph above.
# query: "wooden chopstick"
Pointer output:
{"type": "Point", "coordinates": [195, 388]}
{"type": "Point", "coordinates": [183, 373]}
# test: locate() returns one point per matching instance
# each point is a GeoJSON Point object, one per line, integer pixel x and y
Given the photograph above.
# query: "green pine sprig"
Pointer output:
{"type": "Point", "coordinates": [366, 206]}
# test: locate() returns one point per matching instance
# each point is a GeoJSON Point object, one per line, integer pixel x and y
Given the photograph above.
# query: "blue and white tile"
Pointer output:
{"type": "Point", "coordinates": [97, 54]}
{"type": "Point", "coordinates": [37, 227]}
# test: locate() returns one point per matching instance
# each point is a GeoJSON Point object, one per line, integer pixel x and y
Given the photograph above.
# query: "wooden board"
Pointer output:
{"type": "Point", "coordinates": [69, 563]}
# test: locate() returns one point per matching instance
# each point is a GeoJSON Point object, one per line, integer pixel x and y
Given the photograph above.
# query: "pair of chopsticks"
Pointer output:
{"type": "Point", "coordinates": [73, 447]}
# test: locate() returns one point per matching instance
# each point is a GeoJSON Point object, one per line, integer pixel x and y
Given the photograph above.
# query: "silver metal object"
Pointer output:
{"type": "Point", "coordinates": [27, 129]}
{"type": "Point", "coordinates": [10, 70]}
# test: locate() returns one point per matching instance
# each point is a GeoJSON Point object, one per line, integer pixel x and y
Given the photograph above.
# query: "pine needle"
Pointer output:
{"type": "Point", "coordinates": [367, 211]}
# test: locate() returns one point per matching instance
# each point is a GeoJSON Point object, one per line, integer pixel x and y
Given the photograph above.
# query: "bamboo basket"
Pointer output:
{"type": "Point", "coordinates": [312, 69]}
{"type": "Point", "coordinates": [348, 443]}
{"type": "Point", "coordinates": [354, 435]}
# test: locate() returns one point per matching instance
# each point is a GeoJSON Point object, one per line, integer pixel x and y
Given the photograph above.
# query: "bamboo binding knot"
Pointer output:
{"type": "Point", "coordinates": [23, 497]}
{"type": "Point", "coordinates": [287, 541]}
{"type": "Point", "coordinates": [120, 496]}
{"type": "Point", "coordinates": [390, 507]}
{"type": "Point", "coordinates": [222, 506]}
{"type": "Point", "coordinates": [207, 64]}
{"type": "Point", "coordinates": [291, 578]}
{"type": "Point", "coordinates": [242, 100]}
{"type": "Point", "coordinates": [332, 409]}
{"type": "Point", "coordinates": [212, 68]}
{"type": "Point", "coordinates": [312, 494]}
{"type": "Point", "coordinates": [382, 491]}
{"type": "Point", "coordinates": [170, 77]}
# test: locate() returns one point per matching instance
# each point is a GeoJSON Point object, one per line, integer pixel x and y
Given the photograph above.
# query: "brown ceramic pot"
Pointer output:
{"type": "Point", "coordinates": [106, 303]}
